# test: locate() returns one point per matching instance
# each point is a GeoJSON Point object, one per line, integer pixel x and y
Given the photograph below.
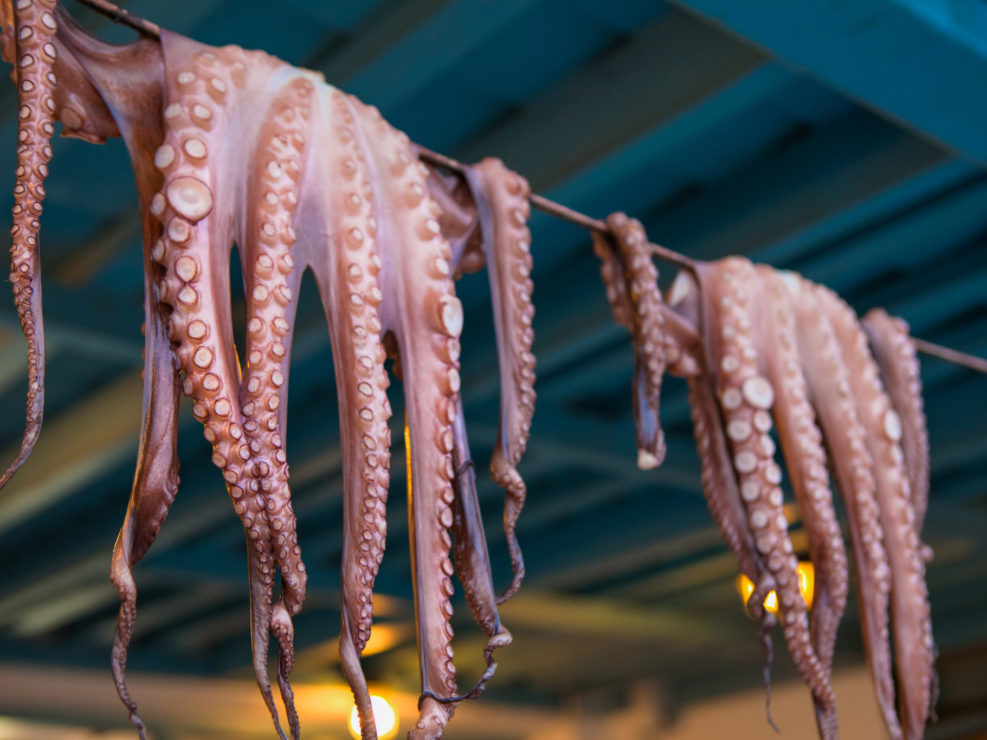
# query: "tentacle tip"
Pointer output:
{"type": "Point", "coordinates": [647, 460]}
{"type": "Point", "coordinates": [501, 639]}
{"type": "Point", "coordinates": [515, 585]}
{"type": "Point", "coordinates": [139, 724]}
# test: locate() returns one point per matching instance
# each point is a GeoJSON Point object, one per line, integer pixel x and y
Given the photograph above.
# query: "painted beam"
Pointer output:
{"type": "Point", "coordinates": [395, 62]}
{"type": "Point", "coordinates": [918, 63]}
{"type": "Point", "coordinates": [576, 121]}
{"type": "Point", "coordinates": [820, 173]}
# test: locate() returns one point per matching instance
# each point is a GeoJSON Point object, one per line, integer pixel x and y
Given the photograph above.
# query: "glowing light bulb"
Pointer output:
{"type": "Point", "coordinates": [807, 583]}
{"type": "Point", "coordinates": [384, 717]}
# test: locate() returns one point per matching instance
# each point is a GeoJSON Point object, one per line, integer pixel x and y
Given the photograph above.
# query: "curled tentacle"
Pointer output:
{"type": "Point", "coordinates": [801, 443]}
{"type": "Point", "coordinates": [746, 398]}
{"type": "Point", "coordinates": [896, 356]}
{"type": "Point", "coordinates": [155, 482]}
{"type": "Point", "coordinates": [501, 198]}
{"type": "Point", "coordinates": [910, 615]}
{"type": "Point", "coordinates": [646, 322]}
{"type": "Point", "coordinates": [34, 28]}
{"type": "Point", "coordinates": [470, 556]}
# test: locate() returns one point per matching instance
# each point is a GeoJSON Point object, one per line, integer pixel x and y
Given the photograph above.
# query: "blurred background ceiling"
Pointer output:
{"type": "Point", "coordinates": [843, 140]}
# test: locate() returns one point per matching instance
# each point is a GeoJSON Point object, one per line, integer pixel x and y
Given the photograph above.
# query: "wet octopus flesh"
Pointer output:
{"type": "Point", "coordinates": [767, 351]}
{"type": "Point", "coordinates": [327, 185]}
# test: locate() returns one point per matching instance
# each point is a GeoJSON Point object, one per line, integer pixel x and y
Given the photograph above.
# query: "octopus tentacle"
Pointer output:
{"type": "Point", "coordinates": [647, 327]}
{"type": "Point", "coordinates": [195, 255]}
{"type": "Point", "coordinates": [897, 359]}
{"type": "Point", "coordinates": [746, 399]}
{"type": "Point", "coordinates": [910, 614]}
{"type": "Point", "coordinates": [723, 499]}
{"type": "Point", "coordinates": [272, 282]}
{"type": "Point", "coordinates": [351, 296]}
{"type": "Point", "coordinates": [844, 436]}
{"type": "Point", "coordinates": [89, 106]}
{"type": "Point", "coordinates": [801, 443]}
{"type": "Point", "coordinates": [501, 198]}
{"type": "Point", "coordinates": [34, 29]}
{"type": "Point", "coordinates": [470, 555]}
{"type": "Point", "coordinates": [426, 319]}
{"type": "Point", "coordinates": [155, 481]}
{"type": "Point", "coordinates": [719, 480]}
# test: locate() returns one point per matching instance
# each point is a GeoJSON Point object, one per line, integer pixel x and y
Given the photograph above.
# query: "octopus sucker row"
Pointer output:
{"type": "Point", "coordinates": [914, 651]}
{"type": "Point", "coordinates": [747, 398]}
{"type": "Point", "coordinates": [34, 27]}
{"type": "Point", "coordinates": [719, 483]}
{"type": "Point", "coordinates": [351, 305]}
{"type": "Point", "coordinates": [272, 281]}
{"type": "Point", "coordinates": [501, 199]}
{"type": "Point", "coordinates": [194, 253]}
{"type": "Point", "coordinates": [638, 306]}
{"type": "Point", "coordinates": [801, 443]}
{"type": "Point", "coordinates": [896, 357]}
{"type": "Point", "coordinates": [421, 311]}
{"type": "Point", "coordinates": [852, 465]}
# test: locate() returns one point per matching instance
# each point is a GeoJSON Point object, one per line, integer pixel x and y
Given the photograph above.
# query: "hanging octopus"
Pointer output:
{"type": "Point", "coordinates": [764, 350]}
{"type": "Point", "coordinates": [326, 185]}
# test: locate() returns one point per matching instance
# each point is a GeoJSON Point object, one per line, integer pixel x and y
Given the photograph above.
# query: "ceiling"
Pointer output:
{"type": "Point", "coordinates": [841, 140]}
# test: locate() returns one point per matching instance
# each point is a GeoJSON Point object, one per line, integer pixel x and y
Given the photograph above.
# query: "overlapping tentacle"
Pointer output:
{"type": "Point", "coordinates": [896, 357]}
{"type": "Point", "coordinates": [470, 555]}
{"type": "Point", "coordinates": [746, 399]}
{"type": "Point", "coordinates": [501, 198]}
{"type": "Point", "coordinates": [801, 443]}
{"type": "Point", "coordinates": [272, 279]}
{"type": "Point", "coordinates": [805, 459]}
{"type": "Point", "coordinates": [425, 317]}
{"type": "Point", "coordinates": [347, 272]}
{"type": "Point", "coordinates": [914, 651]}
{"type": "Point", "coordinates": [852, 465]}
{"type": "Point", "coordinates": [197, 208]}
{"type": "Point", "coordinates": [34, 28]}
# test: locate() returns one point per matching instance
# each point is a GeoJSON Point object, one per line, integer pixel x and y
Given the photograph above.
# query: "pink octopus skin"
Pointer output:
{"type": "Point", "coordinates": [686, 359]}
{"type": "Point", "coordinates": [194, 253]}
{"type": "Point", "coordinates": [471, 556]}
{"type": "Point", "coordinates": [845, 437]}
{"type": "Point", "coordinates": [632, 289]}
{"type": "Point", "coordinates": [910, 614]}
{"type": "Point", "coordinates": [731, 312]}
{"type": "Point", "coordinates": [387, 275]}
{"type": "Point", "coordinates": [501, 198]}
{"type": "Point", "coordinates": [425, 318]}
{"type": "Point", "coordinates": [801, 443]}
{"type": "Point", "coordinates": [896, 356]}
{"type": "Point", "coordinates": [28, 44]}
{"type": "Point", "coordinates": [94, 104]}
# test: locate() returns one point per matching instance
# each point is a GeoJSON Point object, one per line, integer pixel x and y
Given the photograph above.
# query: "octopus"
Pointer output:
{"type": "Point", "coordinates": [237, 147]}
{"type": "Point", "coordinates": [769, 355]}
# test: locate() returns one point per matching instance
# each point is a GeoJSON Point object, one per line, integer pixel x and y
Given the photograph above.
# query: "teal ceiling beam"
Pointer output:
{"type": "Point", "coordinates": [920, 63]}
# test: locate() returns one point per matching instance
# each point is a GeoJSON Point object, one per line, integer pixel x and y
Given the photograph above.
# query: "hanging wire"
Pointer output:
{"type": "Point", "coordinates": [147, 28]}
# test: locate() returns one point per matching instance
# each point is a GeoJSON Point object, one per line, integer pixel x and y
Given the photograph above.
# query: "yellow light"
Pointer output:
{"type": "Point", "coordinates": [384, 717]}
{"type": "Point", "coordinates": [807, 583]}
